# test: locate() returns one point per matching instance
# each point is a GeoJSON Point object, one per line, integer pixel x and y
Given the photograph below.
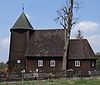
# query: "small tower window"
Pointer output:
{"type": "Point", "coordinates": [52, 63]}
{"type": "Point", "coordinates": [18, 61]}
{"type": "Point", "coordinates": [77, 63]}
{"type": "Point", "coordinates": [92, 64]}
{"type": "Point", "coordinates": [40, 63]}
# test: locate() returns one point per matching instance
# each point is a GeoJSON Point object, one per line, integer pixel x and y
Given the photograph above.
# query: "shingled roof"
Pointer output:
{"type": "Point", "coordinates": [80, 49]}
{"type": "Point", "coordinates": [46, 43]}
{"type": "Point", "coordinates": [50, 43]}
{"type": "Point", "coordinates": [22, 23]}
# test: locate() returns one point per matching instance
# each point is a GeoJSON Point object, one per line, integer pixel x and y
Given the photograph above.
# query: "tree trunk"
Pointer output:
{"type": "Point", "coordinates": [66, 39]}
{"type": "Point", "coordinates": [67, 31]}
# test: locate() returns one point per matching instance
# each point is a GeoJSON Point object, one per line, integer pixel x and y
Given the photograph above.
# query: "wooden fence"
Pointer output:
{"type": "Point", "coordinates": [35, 75]}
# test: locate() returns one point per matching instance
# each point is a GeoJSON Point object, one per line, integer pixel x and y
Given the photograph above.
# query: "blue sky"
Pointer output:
{"type": "Point", "coordinates": [42, 13]}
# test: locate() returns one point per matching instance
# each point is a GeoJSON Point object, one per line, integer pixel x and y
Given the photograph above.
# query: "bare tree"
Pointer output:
{"type": "Point", "coordinates": [79, 35]}
{"type": "Point", "coordinates": [65, 18]}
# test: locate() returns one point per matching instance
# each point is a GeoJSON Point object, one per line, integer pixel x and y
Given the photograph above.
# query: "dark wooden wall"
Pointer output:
{"type": "Point", "coordinates": [32, 65]}
{"type": "Point", "coordinates": [85, 65]}
{"type": "Point", "coordinates": [18, 45]}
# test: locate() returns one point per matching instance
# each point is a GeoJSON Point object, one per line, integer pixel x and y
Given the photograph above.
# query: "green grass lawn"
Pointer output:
{"type": "Point", "coordinates": [56, 82]}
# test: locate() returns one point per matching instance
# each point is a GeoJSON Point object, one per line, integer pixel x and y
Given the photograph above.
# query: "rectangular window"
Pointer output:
{"type": "Point", "coordinates": [77, 63]}
{"type": "Point", "coordinates": [92, 64]}
{"type": "Point", "coordinates": [40, 63]}
{"type": "Point", "coordinates": [18, 61]}
{"type": "Point", "coordinates": [52, 63]}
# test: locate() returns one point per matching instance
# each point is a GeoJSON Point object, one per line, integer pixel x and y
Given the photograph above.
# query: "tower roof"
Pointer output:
{"type": "Point", "coordinates": [22, 23]}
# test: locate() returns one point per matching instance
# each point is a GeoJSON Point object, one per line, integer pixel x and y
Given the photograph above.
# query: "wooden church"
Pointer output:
{"type": "Point", "coordinates": [42, 50]}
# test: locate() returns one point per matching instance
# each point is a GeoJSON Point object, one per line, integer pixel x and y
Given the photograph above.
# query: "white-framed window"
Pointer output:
{"type": "Point", "coordinates": [92, 64]}
{"type": "Point", "coordinates": [37, 70]}
{"type": "Point", "coordinates": [52, 63]}
{"type": "Point", "coordinates": [18, 61]}
{"type": "Point", "coordinates": [40, 63]}
{"type": "Point", "coordinates": [77, 63]}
